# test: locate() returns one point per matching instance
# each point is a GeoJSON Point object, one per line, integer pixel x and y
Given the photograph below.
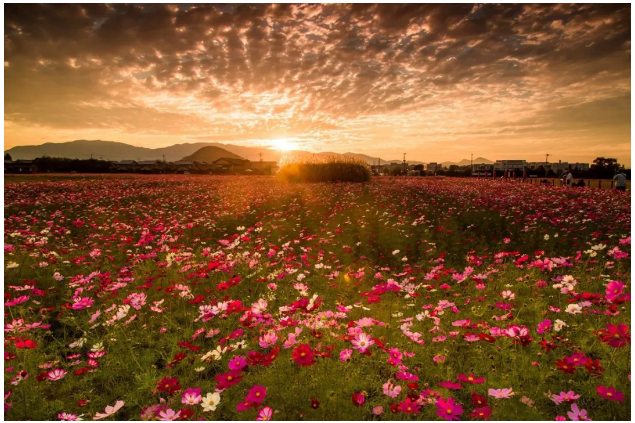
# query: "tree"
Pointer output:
{"type": "Point", "coordinates": [7, 157]}
{"type": "Point", "coordinates": [604, 168]}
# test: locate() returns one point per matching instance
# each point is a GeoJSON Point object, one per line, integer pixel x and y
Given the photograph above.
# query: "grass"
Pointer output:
{"type": "Point", "coordinates": [333, 169]}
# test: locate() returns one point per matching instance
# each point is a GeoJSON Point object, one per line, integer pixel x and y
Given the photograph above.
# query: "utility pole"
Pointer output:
{"type": "Point", "coordinates": [472, 162]}
{"type": "Point", "coordinates": [404, 164]}
{"type": "Point", "coordinates": [546, 162]}
{"type": "Point", "coordinates": [260, 157]}
{"type": "Point", "coordinates": [91, 156]}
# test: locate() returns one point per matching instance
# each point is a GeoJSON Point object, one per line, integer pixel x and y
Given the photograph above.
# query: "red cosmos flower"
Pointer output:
{"type": "Point", "coordinates": [315, 404]}
{"type": "Point", "coordinates": [409, 407]}
{"type": "Point", "coordinates": [26, 343]}
{"type": "Point", "coordinates": [358, 399]}
{"type": "Point", "coordinates": [547, 345]}
{"type": "Point", "coordinates": [594, 367]}
{"type": "Point", "coordinates": [479, 400]}
{"type": "Point", "coordinates": [394, 408]}
{"type": "Point", "coordinates": [566, 366]}
{"type": "Point", "coordinates": [225, 380]}
{"type": "Point", "coordinates": [615, 336]}
{"type": "Point", "coordinates": [303, 355]}
{"type": "Point", "coordinates": [610, 393]}
{"type": "Point", "coordinates": [481, 413]}
{"type": "Point", "coordinates": [487, 338]}
{"type": "Point", "coordinates": [169, 385]}
{"type": "Point", "coordinates": [471, 378]}
{"type": "Point", "coordinates": [186, 414]}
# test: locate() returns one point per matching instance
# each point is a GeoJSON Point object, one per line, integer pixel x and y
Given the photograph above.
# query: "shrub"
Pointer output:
{"type": "Point", "coordinates": [333, 169]}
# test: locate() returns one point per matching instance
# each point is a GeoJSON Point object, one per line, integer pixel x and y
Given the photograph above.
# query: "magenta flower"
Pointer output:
{"type": "Point", "coordinates": [610, 393]}
{"type": "Point", "coordinates": [409, 407]}
{"type": "Point", "coordinates": [257, 394]}
{"type": "Point", "coordinates": [358, 399]}
{"type": "Point", "coordinates": [613, 290]}
{"type": "Point", "coordinates": [448, 409]}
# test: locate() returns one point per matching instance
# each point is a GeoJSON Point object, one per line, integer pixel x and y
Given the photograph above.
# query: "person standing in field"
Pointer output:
{"type": "Point", "coordinates": [620, 181]}
{"type": "Point", "coordinates": [568, 178]}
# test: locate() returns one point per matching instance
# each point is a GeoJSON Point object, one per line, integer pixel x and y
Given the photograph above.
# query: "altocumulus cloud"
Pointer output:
{"type": "Point", "coordinates": [427, 76]}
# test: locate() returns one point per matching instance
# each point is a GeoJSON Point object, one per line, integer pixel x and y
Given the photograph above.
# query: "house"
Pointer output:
{"type": "Point", "coordinates": [19, 166]}
{"type": "Point", "coordinates": [152, 166]}
{"type": "Point", "coordinates": [125, 166]}
{"type": "Point", "coordinates": [264, 168]}
{"type": "Point", "coordinates": [233, 165]}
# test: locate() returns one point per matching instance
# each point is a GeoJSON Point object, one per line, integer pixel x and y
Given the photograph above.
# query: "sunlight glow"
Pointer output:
{"type": "Point", "coordinates": [283, 144]}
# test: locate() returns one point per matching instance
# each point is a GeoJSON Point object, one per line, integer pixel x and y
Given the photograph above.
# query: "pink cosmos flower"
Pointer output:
{"type": "Point", "coordinates": [362, 342]}
{"type": "Point", "coordinates": [448, 409]}
{"type": "Point", "coordinates": [391, 390]}
{"type": "Point", "coordinates": [191, 396]}
{"type": "Point", "coordinates": [378, 410]}
{"type": "Point", "coordinates": [268, 339]}
{"type": "Point", "coordinates": [576, 414]}
{"type": "Point", "coordinates": [564, 396]}
{"type": "Point", "coordinates": [346, 355]}
{"type": "Point", "coordinates": [265, 414]}
{"type": "Point", "coordinates": [501, 393]}
{"type": "Point", "coordinates": [110, 410]}
{"type": "Point", "coordinates": [56, 374]}
{"type": "Point", "coordinates": [169, 415]}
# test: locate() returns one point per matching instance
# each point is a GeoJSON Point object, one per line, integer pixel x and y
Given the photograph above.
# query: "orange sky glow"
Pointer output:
{"type": "Point", "coordinates": [439, 82]}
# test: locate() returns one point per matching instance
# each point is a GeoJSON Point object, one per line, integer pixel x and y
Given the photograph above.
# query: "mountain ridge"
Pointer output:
{"type": "Point", "coordinates": [115, 150]}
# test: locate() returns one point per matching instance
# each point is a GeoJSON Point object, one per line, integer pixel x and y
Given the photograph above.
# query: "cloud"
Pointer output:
{"type": "Point", "coordinates": [319, 72]}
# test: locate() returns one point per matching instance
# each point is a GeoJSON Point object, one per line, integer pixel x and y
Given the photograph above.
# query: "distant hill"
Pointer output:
{"type": "Point", "coordinates": [111, 150]}
{"type": "Point", "coordinates": [210, 154]}
{"type": "Point", "coordinates": [466, 162]}
{"type": "Point", "coordinates": [106, 150]}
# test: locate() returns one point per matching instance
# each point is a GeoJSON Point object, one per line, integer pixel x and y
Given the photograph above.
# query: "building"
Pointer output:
{"type": "Point", "coordinates": [19, 166]}
{"type": "Point", "coordinates": [125, 166]}
{"type": "Point", "coordinates": [482, 169]}
{"type": "Point", "coordinates": [233, 165]}
{"type": "Point", "coordinates": [432, 167]}
{"type": "Point", "coordinates": [561, 167]}
{"type": "Point", "coordinates": [510, 165]}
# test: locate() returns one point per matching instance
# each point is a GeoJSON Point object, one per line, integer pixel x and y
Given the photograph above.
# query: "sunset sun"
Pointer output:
{"type": "Point", "coordinates": [283, 144]}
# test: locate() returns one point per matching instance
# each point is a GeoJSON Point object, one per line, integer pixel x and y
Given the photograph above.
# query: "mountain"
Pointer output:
{"type": "Point", "coordinates": [107, 150]}
{"type": "Point", "coordinates": [210, 154]}
{"type": "Point", "coordinates": [111, 150]}
{"type": "Point", "coordinates": [466, 162]}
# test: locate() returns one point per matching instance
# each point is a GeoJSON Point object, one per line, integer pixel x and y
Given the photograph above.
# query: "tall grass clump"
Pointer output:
{"type": "Point", "coordinates": [332, 169]}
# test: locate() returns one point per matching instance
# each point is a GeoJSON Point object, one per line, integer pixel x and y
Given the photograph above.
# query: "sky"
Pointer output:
{"type": "Point", "coordinates": [439, 82]}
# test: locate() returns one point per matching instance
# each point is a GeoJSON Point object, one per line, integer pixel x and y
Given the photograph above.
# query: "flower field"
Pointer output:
{"type": "Point", "coordinates": [246, 298]}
